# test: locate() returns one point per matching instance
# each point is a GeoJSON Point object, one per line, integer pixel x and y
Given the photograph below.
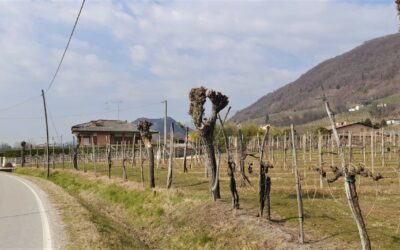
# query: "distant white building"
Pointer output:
{"type": "Point", "coordinates": [381, 105]}
{"type": "Point", "coordinates": [356, 108]}
{"type": "Point", "coordinates": [393, 122]}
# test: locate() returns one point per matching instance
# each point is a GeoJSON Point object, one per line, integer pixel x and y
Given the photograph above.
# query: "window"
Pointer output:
{"type": "Point", "coordinates": [86, 141]}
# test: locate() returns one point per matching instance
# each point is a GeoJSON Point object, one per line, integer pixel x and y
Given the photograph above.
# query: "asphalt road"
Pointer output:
{"type": "Point", "coordinates": [24, 223]}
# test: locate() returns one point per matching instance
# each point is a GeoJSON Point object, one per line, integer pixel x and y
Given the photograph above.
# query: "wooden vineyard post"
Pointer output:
{"type": "Point", "coordinates": [52, 155]}
{"type": "Point", "coordinates": [185, 169]}
{"type": "Point", "coordinates": [94, 157]}
{"type": "Point", "coordinates": [109, 156]}
{"type": "Point", "coordinates": [141, 163]}
{"type": "Point", "coordinates": [350, 148]}
{"type": "Point", "coordinates": [350, 187]}
{"type": "Point", "coordinates": [133, 157]}
{"type": "Point", "coordinates": [383, 148]}
{"type": "Point", "coordinates": [298, 188]}
{"type": "Point", "coordinates": [304, 154]}
{"type": "Point", "coordinates": [284, 151]}
{"type": "Point", "coordinates": [170, 157]}
{"type": "Point", "coordinates": [321, 181]}
{"type": "Point", "coordinates": [372, 152]}
{"type": "Point", "coordinates": [364, 149]}
{"type": "Point", "coordinates": [124, 174]}
{"type": "Point", "coordinates": [310, 144]}
{"type": "Point", "coordinates": [62, 153]}
{"type": "Point", "coordinates": [332, 150]}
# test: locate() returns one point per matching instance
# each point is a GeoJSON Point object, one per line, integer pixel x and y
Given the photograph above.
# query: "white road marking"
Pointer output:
{"type": "Point", "coordinates": [47, 244]}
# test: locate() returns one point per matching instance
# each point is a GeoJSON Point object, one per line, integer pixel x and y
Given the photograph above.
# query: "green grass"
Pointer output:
{"type": "Point", "coordinates": [326, 211]}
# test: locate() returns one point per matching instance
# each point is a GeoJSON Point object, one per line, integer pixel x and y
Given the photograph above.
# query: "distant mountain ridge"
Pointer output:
{"type": "Point", "coordinates": [158, 125]}
{"type": "Point", "coordinates": [366, 73]}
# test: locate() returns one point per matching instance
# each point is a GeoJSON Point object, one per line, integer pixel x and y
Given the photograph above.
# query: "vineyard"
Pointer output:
{"type": "Point", "coordinates": [325, 210]}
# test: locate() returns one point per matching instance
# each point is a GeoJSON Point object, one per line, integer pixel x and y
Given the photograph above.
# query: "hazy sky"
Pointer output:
{"type": "Point", "coordinates": [142, 52]}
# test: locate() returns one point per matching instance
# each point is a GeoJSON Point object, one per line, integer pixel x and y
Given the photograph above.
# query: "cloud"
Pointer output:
{"type": "Point", "coordinates": [142, 52]}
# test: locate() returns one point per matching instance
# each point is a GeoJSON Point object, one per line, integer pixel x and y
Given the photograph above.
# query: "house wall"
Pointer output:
{"type": "Point", "coordinates": [355, 129]}
{"type": "Point", "coordinates": [102, 138]}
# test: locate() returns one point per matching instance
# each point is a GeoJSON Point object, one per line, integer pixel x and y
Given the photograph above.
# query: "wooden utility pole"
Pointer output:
{"type": "Point", "coordinates": [47, 135]}
{"type": "Point", "coordinates": [350, 187]}
{"type": "Point", "coordinates": [298, 188]}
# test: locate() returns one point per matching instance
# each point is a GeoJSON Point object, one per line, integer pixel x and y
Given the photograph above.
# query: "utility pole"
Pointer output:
{"type": "Point", "coordinates": [47, 135]}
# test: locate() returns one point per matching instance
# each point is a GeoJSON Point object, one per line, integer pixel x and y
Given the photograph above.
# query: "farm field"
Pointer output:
{"type": "Point", "coordinates": [328, 220]}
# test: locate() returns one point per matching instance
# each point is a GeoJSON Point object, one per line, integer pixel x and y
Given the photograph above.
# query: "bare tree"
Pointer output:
{"type": "Point", "coordinates": [145, 134]}
{"type": "Point", "coordinates": [205, 126]}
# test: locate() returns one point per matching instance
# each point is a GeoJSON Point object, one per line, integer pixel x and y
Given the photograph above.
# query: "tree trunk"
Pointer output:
{"type": "Point", "coordinates": [150, 155]}
{"type": "Point", "coordinates": [144, 128]}
{"type": "Point", "coordinates": [211, 165]}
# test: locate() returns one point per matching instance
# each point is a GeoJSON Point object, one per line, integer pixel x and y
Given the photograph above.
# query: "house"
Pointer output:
{"type": "Point", "coordinates": [101, 132]}
{"type": "Point", "coordinates": [356, 108]}
{"type": "Point", "coordinates": [356, 128]}
{"type": "Point", "coordinates": [381, 105]}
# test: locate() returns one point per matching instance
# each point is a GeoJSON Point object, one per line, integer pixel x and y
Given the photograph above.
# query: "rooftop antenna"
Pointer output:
{"type": "Point", "coordinates": [118, 103]}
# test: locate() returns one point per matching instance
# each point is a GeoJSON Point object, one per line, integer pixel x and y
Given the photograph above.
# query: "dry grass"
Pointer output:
{"type": "Point", "coordinates": [184, 217]}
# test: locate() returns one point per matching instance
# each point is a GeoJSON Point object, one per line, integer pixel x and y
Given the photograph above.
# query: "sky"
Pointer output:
{"type": "Point", "coordinates": [135, 54]}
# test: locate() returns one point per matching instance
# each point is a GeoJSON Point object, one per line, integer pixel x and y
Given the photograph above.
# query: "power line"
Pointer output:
{"type": "Point", "coordinates": [66, 48]}
{"type": "Point", "coordinates": [79, 115]}
{"type": "Point", "coordinates": [52, 122]}
{"type": "Point", "coordinates": [20, 103]}
{"type": "Point", "coordinates": [57, 70]}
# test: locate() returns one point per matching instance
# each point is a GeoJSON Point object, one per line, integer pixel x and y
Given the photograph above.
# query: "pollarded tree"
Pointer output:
{"type": "Point", "coordinates": [145, 134]}
{"type": "Point", "coordinates": [205, 126]}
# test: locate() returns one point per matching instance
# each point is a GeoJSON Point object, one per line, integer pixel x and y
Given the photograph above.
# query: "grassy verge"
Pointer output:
{"type": "Point", "coordinates": [184, 217]}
